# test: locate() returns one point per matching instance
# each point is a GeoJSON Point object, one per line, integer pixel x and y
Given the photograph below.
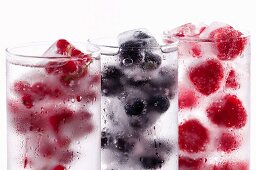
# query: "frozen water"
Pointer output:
{"type": "Point", "coordinates": [137, 38]}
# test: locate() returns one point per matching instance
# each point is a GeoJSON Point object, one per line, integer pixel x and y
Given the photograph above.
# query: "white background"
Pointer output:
{"type": "Point", "coordinates": [47, 20]}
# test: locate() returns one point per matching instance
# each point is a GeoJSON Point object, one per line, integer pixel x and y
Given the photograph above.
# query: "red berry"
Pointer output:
{"type": "Point", "coordinates": [75, 52]}
{"type": "Point", "coordinates": [62, 46]}
{"type": "Point", "coordinates": [229, 42]}
{"type": "Point", "coordinates": [196, 50]}
{"type": "Point", "coordinates": [227, 111]}
{"type": "Point", "coordinates": [193, 136]}
{"type": "Point", "coordinates": [53, 67]}
{"type": "Point", "coordinates": [40, 89]}
{"type": "Point", "coordinates": [59, 167]}
{"type": "Point", "coordinates": [228, 142]}
{"type": "Point", "coordinates": [231, 81]}
{"type": "Point", "coordinates": [27, 100]}
{"type": "Point", "coordinates": [207, 76]}
{"type": "Point", "coordinates": [22, 87]}
{"type": "Point", "coordinates": [61, 117]}
{"type": "Point", "coordinates": [186, 163]}
{"type": "Point", "coordinates": [69, 67]}
{"type": "Point", "coordinates": [187, 98]}
{"type": "Point", "coordinates": [231, 166]}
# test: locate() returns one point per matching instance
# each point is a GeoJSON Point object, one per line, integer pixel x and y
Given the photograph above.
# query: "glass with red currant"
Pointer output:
{"type": "Point", "coordinates": [53, 106]}
{"type": "Point", "coordinates": [139, 102]}
{"type": "Point", "coordinates": [213, 97]}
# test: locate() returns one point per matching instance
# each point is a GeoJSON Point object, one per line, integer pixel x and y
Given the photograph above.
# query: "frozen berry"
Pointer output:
{"type": "Point", "coordinates": [186, 163]}
{"type": "Point", "coordinates": [151, 61]}
{"type": "Point", "coordinates": [111, 81]}
{"type": "Point", "coordinates": [124, 144]}
{"type": "Point", "coordinates": [133, 45]}
{"type": "Point", "coordinates": [40, 89]}
{"type": "Point", "coordinates": [22, 87]}
{"type": "Point", "coordinates": [229, 42]}
{"type": "Point", "coordinates": [112, 72]}
{"type": "Point", "coordinates": [231, 81]}
{"type": "Point", "coordinates": [129, 58]}
{"type": "Point", "coordinates": [135, 107]}
{"type": "Point", "coordinates": [69, 67]}
{"type": "Point", "coordinates": [227, 111]}
{"type": "Point", "coordinates": [53, 67]}
{"type": "Point", "coordinates": [60, 117]}
{"type": "Point", "coordinates": [231, 166]}
{"type": "Point", "coordinates": [59, 167]}
{"type": "Point", "coordinates": [159, 103]}
{"type": "Point", "coordinates": [141, 35]}
{"type": "Point", "coordinates": [62, 46]}
{"type": "Point", "coordinates": [106, 139]}
{"type": "Point", "coordinates": [28, 100]}
{"type": "Point", "coordinates": [193, 136]}
{"type": "Point", "coordinates": [151, 162]}
{"type": "Point", "coordinates": [227, 143]}
{"type": "Point", "coordinates": [195, 50]}
{"type": "Point", "coordinates": [187, 98]}
{"type": "Point", "coordinates": [207, 76]}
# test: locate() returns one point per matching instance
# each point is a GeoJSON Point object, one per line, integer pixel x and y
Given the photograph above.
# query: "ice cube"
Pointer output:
{"type": "Point", "coordinates": [213, 26]}
{"type": "Point", "coordinates": [137, 38]}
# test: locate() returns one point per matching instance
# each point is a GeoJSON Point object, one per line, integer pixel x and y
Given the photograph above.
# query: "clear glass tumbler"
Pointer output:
{"type": "Point", "coordinates": [139, 106]}
{"type": "Point", "coordinates": [214, 99]}
{"type": "Point", "coordinates": [53, 107]}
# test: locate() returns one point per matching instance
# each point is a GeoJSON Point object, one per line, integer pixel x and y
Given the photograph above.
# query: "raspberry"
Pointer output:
{"type": "Point", "coordinates": [190, 164]}
{"type": "Point", "coordinates": [231, 81]}
{"type": "Point", "coordinates": [229, 42]}
{"type": "Point", "coordinates": [207, 76]}
{"type": "Point", "coordinates": [59, 167]}
{"type": "Point", "coordinates": [22, 87]}
{"type": "Point", "coordinates": [228, 112]}
{"type": "Point", "coordinates": [195, 50]}
{"type": "Point", "coordinates": [231, 166]}
{"type": "Point", "coordinates": [228, 143]}
{"type": "Point", "coordinates": [40, 89]}
{"type": "Point", "coordinates": [187, 98]}
{"type": "Point", "coordinates": [193, 136]}
{"type": "Point", "coordinates": [27, 100]}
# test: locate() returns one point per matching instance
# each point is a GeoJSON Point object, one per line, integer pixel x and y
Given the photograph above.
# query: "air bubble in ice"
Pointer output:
{"type": "Point", "coordinates": [127, 62]}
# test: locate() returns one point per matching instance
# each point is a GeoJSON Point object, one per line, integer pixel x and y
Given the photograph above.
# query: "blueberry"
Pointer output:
{"type": "Point", "coordinates": [141, 35]}
{"type": "Point", "coordinates": [159, 103]}
{"type": "Point", "coordinates": [111, 87]}
{"type": "Point", "coordinates": [124, 144]}
{"type": "Point", "coordinates": [151, 61]}
{"type": "Point", "coordinates": [129, 58]}
{"type": "Point", "coordinates": [137, 83]}
{"type": "Point", "coordinates": [111, 81]}
{"type": "Point", "coordinates": [134, 45]}
{"type": "Point", "coordinates": [151, 162]}
{"type": "Point", "coordinates": [106, 139]}
{"type": "Point", "coordinates": [139, 122]}
{"type": "Point", "coordinates": [135, 107]}
{"type": "Point", "coordinates": [167, 78]}
{"type": "Point", "coordinates": [111, 72]}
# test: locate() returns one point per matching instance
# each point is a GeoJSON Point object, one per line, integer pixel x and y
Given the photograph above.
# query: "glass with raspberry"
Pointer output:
{"type": "Point", "coordinates": [139, 102]}
{"type": "Point", "coordinates": [53, 104]}
{"type": "Point", "coordinates": [214, 63]}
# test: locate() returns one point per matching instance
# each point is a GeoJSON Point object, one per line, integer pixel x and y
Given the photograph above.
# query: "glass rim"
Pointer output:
{"type": "Point", "coordinates": [103, 45]}
{"type": "Point", "coordinates": [9, 50]}
{"type": "Point", "coordinates": [168, 36]}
